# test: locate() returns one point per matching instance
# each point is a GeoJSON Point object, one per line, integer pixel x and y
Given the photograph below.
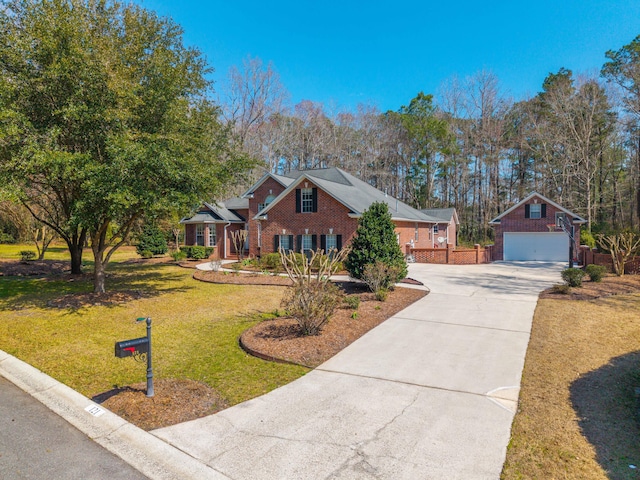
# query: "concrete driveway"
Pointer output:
{"type": "Point", "coordinates": [429, 394]}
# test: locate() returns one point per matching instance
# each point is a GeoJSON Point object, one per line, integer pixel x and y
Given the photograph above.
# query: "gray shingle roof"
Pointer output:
{"type": "Point", "coordinates": [441, 213]}
{"type": "Point", "coordinates": [353, 193]}
{"type": "Point", "coordinates": [220, 212]}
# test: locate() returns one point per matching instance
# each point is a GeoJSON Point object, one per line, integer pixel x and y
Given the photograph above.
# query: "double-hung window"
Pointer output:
{"type": "Point", "coordinates": [535, 210]}
{"type": "Point", "coordinates": [307, 243]}
{"type": "Point", "coordinates": [284, 242]}
{"type": "Point", "coordinates": [212, 236]}
{"type": "Point", "coordinates": [331, 243]}
{"type": "Point", "coordinates": [200, 234]}
{"type": "Point", "coordinates": [307, 200]}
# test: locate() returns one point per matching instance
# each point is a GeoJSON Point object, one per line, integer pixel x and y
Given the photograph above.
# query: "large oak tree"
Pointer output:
{"type": "Point", "coordinates": [105, 118]}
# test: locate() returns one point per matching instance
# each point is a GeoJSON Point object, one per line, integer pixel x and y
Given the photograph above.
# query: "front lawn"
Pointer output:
{"type": "Point", "coordinates": [195, 329]}
{"type": "Point", "coordinates": [577, 416]}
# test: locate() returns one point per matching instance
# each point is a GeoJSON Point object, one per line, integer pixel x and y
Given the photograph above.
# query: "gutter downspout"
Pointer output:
{"type": "Point", "coordinates": [225, 240]}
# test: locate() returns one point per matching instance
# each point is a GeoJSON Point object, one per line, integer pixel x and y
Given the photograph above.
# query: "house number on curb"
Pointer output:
{"type": "Point", "coordinates": [140, 350]}
{"type": "Point", "coordinates": [94, 410]}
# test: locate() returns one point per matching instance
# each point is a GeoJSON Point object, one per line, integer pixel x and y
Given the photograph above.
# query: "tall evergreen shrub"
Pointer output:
{"type": "Point", "coordinates": [375, 241]}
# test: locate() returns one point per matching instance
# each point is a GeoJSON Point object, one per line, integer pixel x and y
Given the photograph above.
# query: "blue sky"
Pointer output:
{"type": "Point", "coordinates": [384, 53]}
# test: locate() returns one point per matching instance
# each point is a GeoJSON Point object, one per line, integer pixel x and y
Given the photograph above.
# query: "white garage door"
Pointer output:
{"type": "Point", "coordinates": [543, 246]}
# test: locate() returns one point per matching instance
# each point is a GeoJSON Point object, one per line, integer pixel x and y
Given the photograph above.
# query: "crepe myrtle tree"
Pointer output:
{"type": "Point", "coordinates": [105, 119]}
{"type": "Point", "coordinates": [375, 241]}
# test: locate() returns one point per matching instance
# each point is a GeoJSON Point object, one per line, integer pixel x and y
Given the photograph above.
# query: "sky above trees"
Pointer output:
{"type": "Point", "coordinates": [383, 53]}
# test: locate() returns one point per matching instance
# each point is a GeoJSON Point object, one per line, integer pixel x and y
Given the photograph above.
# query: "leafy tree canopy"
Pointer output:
{"type": "Point", "coordinates": [104, 119]}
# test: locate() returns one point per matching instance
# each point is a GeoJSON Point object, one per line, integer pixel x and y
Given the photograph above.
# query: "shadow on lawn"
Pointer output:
{"type": "Point", "coordinates": [607, 410]}
{"type": "Point", "coordinates": [72, 292]}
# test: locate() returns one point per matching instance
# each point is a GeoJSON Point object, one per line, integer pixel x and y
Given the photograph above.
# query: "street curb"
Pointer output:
{"type": "Point", "coordinates": [143, 451]}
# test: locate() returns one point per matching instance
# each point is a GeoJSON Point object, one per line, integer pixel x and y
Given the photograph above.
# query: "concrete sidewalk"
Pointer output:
{"type": "Point", "coordinates": [429, 394]}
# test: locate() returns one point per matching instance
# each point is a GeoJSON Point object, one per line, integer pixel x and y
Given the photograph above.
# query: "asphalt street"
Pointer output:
{"type": "Point", "coordinates": [35, 443]}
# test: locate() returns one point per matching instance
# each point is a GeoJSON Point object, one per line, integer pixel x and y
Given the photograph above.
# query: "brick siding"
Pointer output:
{"type": "Point", "coordinates": [515, 221]}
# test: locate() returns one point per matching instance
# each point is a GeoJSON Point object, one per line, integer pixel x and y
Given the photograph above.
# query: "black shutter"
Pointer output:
{"type": "Point", "coordinates": [298, 200]}
{"type": "Point", "coordinates": [290, 242]}
{"type": "Point", "coordinates": [276, 242]}
{"type": "Point", "coordinates": [544, 210]}
{"type": "Point", "coordinates": [339, 242]}
{"type": "Point", "coordinates": [323, 243]}
{"type": "Point", "coordinates": [314, 242]}
{"type": "Point", "coordinates": [526, 211]}
{"type": "Point", "coordinates": [299, 243]}
{"type": "Point", "coordinates": [314, 207]}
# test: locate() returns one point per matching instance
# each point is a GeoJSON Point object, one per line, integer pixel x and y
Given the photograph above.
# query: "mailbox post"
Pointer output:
{"type": "Point", "coordinates": [140, 350]}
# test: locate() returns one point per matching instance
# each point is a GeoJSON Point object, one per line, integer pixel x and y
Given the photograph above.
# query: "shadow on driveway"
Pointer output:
{"type": "Point", "coordinates": [607, 410]}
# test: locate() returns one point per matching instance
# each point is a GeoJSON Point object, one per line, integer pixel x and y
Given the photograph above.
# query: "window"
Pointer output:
{"type": "Point", "coordinates": [200, 234]}
{"type": "Point", "coordinates": [307, 200]}
{"type": "Point", "coordinates": [436, 229]}
{"type": "Point", "coordinates": [307, 243]}
{"type": "Point", "coordinates": [417, 234]}
{"type": "Point", "coordinates": [212, 235]}
{"type": "Point", "coordinates": [285, 243]}
{"type": "Point", "coordinates": [259, 235]}
{"type": "Point", "coordinates": [535, 210]}
{"type": "Point", "coordinates": [267, 201]}
{"type": "Point", "coordinates": [331, 243]}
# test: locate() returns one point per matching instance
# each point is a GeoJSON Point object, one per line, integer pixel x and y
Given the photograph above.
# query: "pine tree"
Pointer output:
{"type": "Point", "coordinates": [375, 241]}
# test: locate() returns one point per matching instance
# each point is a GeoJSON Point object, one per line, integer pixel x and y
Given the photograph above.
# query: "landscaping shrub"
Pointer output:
{"type": "Point", "coordinates": [595, 272]}
{"type": "Point", "coordinates": [271, 261]}
{"type": "Point", "coordinates": [146, 254]}
{"type": "Point", "coordinates": [151, 240]}
{"type": "Point", "coordinates": [587, 238]}
{"type": "Point", "coordinates": [311, 304]}
{"type": "Point", "coordinates": [26, 255]}
{"type": "Point", "coordinates": [352, 301]}
{"type": "Point", "coordinates": [380, 278]}
{"type": "Point", "coordinates": [197, 252]}
{"type": "Point", "coordinates": [561, 288]}
{"type": "Point", "coordinates": [375, 241]}
{"type": "Point", "coordinates": [178, 255]}
{"type": "Point", "coordinates": [313, 298]}
{"type": "Point", "coordinates": [573, 276]}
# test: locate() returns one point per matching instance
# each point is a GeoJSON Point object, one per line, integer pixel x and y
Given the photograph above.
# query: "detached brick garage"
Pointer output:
{"type": "Point", "coordinates": [527, 231]}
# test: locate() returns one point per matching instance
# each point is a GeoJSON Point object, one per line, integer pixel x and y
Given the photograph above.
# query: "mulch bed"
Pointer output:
{"type": "Point", "coordinates": [281, 339]}
{"type": "Point", "coordinates": [241, 278]}
{"type": "Point", "coordinates": [174, 401]}
{"type": "Point", "coordinates": [33, 268]}
{"type": "Point", "coordinates": [610, 285]}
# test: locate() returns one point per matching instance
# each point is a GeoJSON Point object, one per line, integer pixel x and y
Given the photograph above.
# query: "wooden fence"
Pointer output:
{"type": "Point", "coordinates": [590, 256]}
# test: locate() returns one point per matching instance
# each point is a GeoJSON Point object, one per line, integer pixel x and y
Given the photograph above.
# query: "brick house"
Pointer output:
{"type": "Point", "coordinates": [530, 230]}
{"type": "Point", "coordinates": [307, 210]}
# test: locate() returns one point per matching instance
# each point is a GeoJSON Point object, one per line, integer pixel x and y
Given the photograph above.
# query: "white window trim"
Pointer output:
{"type": "Point", "coordinates": [306, 204]}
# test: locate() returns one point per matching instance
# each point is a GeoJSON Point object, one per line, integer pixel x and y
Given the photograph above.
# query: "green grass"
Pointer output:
{"type": "Point", "coordinates": [195, 330]}
{"type": "Point", "coordinates": [54, 252]}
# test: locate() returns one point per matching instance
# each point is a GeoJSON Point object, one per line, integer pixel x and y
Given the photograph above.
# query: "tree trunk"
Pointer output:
{"type": "Point", "coordinates": [98, 275]}
{"type": "Point", "coordinates": [76, 258]}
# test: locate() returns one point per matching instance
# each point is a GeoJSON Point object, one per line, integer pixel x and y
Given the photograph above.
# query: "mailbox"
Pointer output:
{"type": "Point", "coordinates": [128, 348]}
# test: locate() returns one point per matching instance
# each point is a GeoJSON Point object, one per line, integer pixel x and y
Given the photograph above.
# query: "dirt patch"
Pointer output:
{"type": "Point", "coordinates": [33, 268]}
{"type": "Point", "coordinates": [174, 401]}
{"type": "Point", "coordinates": [75, 301]}
{"type": "Point", "coordinates": [610, 285]}
{"type": "Point", "coordinates": [281, 339]}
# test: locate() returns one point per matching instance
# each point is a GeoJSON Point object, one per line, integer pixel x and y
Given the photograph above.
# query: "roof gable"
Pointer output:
{"type": "Point", "coordinates": [356, 195]}
{"type": "Point", "coordinates": [282, 180]}
{"type": "Point", "coordinates": [576, 218]}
